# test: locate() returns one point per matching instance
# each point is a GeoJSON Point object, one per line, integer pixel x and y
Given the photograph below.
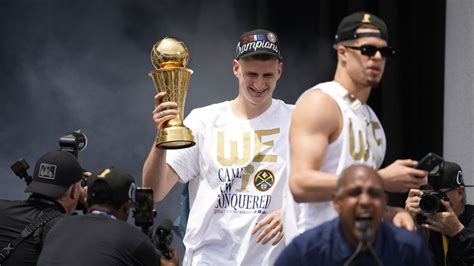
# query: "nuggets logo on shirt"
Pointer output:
{"type": "Point", "coordinates": [264, 180]}
{"type": "Point", "coordinates": [246, 176]}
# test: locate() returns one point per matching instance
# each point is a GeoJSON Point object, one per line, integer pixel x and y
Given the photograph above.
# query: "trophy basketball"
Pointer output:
{"type": "Point", "coordinates": [170, 57]}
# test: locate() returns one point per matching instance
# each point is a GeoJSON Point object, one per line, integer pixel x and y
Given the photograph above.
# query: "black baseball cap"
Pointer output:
{"type": "Point", "coordinates": [449, 176]}
{"type": "Point", "coordinates": [54, 173]}
{"type": "Point", "coordinates": [119, 186]}
{"type": "Point", "coordinates": [348, 26]}
{"type": "Point", "coordinates": [257, 42]}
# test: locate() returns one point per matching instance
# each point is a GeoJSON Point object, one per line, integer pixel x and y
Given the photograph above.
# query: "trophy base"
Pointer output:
{"type": "Point", "coordinates": [171, 138]}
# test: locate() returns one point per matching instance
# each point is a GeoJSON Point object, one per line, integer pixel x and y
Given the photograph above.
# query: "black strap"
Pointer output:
{"type": "Point", "coordinates": [29, 229]}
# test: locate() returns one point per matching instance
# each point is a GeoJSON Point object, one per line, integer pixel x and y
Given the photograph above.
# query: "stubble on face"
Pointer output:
{"type": "Point", "coordinates": [375, 63]}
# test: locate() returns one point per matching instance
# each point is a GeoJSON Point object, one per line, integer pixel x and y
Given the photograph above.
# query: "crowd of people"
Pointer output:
{"type": "Point", "coordinates": [269, 183]}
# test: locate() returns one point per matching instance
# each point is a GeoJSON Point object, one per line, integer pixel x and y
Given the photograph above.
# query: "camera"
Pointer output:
{"type": "Point", "coordinates": [73, 142]}
{"type": "Point", "coordinates": [144, 215]}
{"type": "Point", "coordinates": [431, 202]}
{"type": "Point", "coordinates": [162, 237]}
{"type": "Point", "coordinates": [20, 168]}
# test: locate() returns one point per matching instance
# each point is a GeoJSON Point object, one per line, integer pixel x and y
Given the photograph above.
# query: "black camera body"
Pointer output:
{"type": "Point", "coordinates": [20, 168]}
{"type": "Point", "coordinates": [143, 212]}
{"type": "Point", "coordinates": [431, 202]}
{"type": "Point", "coordinates": [144, 215]}
{"type": "Point", "coordinates": [162, 238]}
{"type": "Point", "coordinates": [73, 142]}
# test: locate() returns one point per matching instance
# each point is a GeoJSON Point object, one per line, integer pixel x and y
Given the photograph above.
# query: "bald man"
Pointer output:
{"type": "Point", "coordinates": [358, 235]}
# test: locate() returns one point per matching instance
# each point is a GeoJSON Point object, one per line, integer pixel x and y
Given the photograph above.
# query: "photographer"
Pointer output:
{"type": "Point", "coordinates": [24, 224]}
{"type": "Point", "coordinates": [102, 237]}
{"type": "Point", "coordinates": [446, 220]}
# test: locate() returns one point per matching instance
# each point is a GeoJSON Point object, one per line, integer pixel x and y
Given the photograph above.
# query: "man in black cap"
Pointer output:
{"type": "Point", "coordinates": [446, 215]}
{"type": "Point", "coordinates": [237, 169]}
{"type": "Point", "coordinates": [101, 237]}
{"type": "Point", "coordinates": [56, 189]}
{"type": "Point", "coordinates": [332, 127]}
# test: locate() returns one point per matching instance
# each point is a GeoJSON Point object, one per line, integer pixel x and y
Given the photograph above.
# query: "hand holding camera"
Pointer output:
{"type": "Point", "coordinates": [412, 203]}
{"type": "Point", "coordinates": [445, 222]}
{"type": "Point", "coordinates": [432, 210]}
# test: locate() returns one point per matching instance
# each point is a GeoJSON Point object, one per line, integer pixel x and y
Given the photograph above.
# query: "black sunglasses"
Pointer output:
{"type": "Point", "coordinates": [371, 50]}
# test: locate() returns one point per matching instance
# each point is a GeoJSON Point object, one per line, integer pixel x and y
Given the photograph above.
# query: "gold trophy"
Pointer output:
{"type": "Point", "coordinates": [170, 57]}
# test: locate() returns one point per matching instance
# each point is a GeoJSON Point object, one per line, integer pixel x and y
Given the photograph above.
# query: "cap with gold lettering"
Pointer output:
{"type": "Point", "coordinates": [348, 26]}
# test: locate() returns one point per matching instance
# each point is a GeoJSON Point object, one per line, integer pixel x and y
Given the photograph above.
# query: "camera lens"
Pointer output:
{"type": "Point", "coordinates": [430, 203]}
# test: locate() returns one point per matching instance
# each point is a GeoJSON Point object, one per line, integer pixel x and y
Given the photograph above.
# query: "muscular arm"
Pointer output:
{"type": "Point", "coordinates": [315, 122]}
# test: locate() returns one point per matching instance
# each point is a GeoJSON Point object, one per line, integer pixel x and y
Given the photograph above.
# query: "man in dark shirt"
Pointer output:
{"type": "Point", "coordinates": [358, 236]}
{"type": "Point", "coordinates": [56, 190]}
{"type": "Point", "coordinates": [448, 229]}
{"type": "Point", "coordinates": [102, 237]}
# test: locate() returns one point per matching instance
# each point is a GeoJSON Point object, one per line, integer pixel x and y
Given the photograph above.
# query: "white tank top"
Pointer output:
{"type": "Point", "coordinates": [353, 145]}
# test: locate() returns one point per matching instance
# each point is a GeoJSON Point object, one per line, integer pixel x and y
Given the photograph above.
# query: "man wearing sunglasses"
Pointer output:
{"type": "Point", "coordinates": [332, 128]}
{"type": "Point", "coordinates": [446, 220]}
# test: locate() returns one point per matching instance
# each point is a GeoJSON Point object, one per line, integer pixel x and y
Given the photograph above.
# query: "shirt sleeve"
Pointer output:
{"type": "Point", "coordinates": [462, 245]}
{"type": "Point", "coordinates": [185, 162]}
{"type": "Point", "coordinates": [289, 256]}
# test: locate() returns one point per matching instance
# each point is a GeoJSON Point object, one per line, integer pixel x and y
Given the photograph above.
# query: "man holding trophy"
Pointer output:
{"type": "Point", "coordinates": [235, 160]}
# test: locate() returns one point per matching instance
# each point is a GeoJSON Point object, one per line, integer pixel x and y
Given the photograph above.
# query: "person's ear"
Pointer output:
{"type": "Point", "coordinates": [336, 202]}
{"type": "Point", "coordinates": [461, 192]}
{"type": "Point", "coordinates": [74, 192]}
{"type": "Point", "coordinates": [235, 67]}
{"type": "Point", "coordinates": [342, 53]}
{"type": "Point", "coordinates": [125, 207]}
{"type": "Point", "coordinates": [280, 69]}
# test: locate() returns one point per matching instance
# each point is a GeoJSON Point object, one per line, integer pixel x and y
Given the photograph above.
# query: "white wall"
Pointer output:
{"type": "Point", "coordinates": [459, 88]}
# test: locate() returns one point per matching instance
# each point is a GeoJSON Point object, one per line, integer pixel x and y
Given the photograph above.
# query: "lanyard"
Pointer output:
{"type": "Point", "coordinates": [106, 214]}
{"type": "Point", "coordinates": [445, 248]}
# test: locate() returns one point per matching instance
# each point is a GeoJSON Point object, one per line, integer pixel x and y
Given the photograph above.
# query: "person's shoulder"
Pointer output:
{"type": "Point", "coordinates": [468, 208]}
{"type": "Point", "coordinates": [4, 203]}
{"type": "Point", "coordinates": [467, 216]}
{"type": "Point", "coordinates": [402, 236]}
{"type": "Point", "coordinates": [212, 107]}
{"type": "Point", "coordinates": [318, 89]}
{"type": "Point", "coordinates": [317, 238]}
{"type": "Point", "coordinates": [317, 96]}
{"type": "Point", "coordinates": [128, 228]}
{"type": "Point", "coordinates": [320, 106]}
{"type": "Point", "coordinates": [207, 112]}
{"type": "Point", "coordinates": [282, 104]}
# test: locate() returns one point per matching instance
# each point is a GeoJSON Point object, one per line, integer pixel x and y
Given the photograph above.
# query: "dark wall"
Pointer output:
{"type": "Point", "coordinates": [67, 65]}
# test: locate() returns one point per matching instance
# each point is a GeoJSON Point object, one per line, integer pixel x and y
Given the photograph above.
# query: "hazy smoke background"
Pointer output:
{"type": "Point", "coordinates": [67, 65]}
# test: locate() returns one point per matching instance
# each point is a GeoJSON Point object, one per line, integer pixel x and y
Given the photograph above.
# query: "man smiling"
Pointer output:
{"type": "Point", "coordinates": [237, 170]}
